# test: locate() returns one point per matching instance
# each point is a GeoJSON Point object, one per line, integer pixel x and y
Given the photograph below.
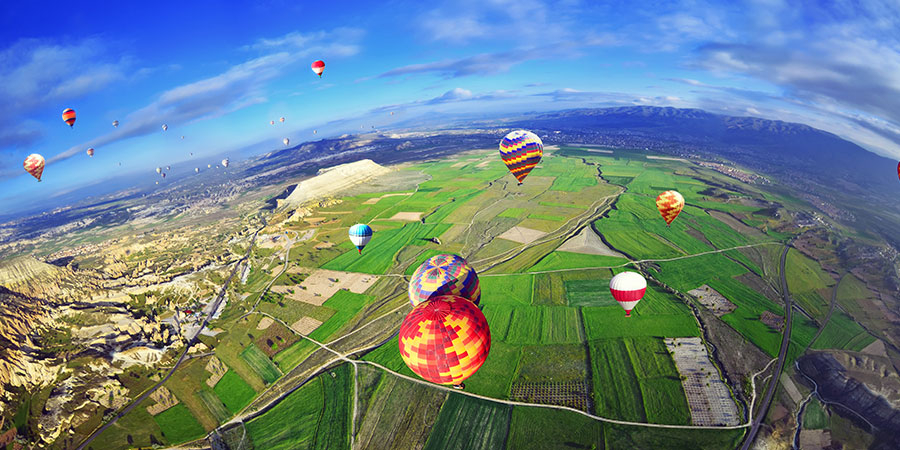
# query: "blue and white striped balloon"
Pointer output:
{"type": "Point", "coordinates": [360, 235]}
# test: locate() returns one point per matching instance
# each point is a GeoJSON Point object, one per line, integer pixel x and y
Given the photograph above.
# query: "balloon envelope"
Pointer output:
{"type": "Point", "coordinates": [34, 164]}
{"type": "Point", "coordinates": [670, 204]}
{"type": "Point", "coordinates": [225, 162]}
{"type": "Point", "coordinates": [286, 141]}
{"type": "Point", "coordinates": [445, 340]}
{"type": "Point", "coordinates": [444, 275]}
{"type": "Point", "coordinates": [116, 123]}
{"type": "Point", "coordinates": [360, 235]}
{"type": "Point", "coordinates": [271, 122]}
{"type": "Point", "coordinates": [159, 170]}
{"type": "Point", "coordinates": [318, 67]}
{"type": "Point", "coordinates": [628, 289]}
{"type": "Point", "coordinates": [521, 150]}
{"type": "Point", "coordinates": [281, 120]}
{"type": "Point", "coordinates": [90, 152]}
{"type": "Point", "coordinates": [68, 117]}
{"type": "Point", "coordinates": [165, 127]}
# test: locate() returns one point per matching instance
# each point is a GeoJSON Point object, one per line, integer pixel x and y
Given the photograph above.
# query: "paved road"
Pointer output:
{"type": "Point", "coordinates": [785, 342]}
{"type": "Point", "coordinates": [184, 355]}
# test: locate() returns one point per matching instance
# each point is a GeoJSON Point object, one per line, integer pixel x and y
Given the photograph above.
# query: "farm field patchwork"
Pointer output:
{"type": "Point", "coordinates": [178, 425]}
{"type": "Point", "coordinates": [460, 415]}
{"type": "Point", "coordinates": [234, 392]}
{"type": "Point", "coordinates": [260, 363]}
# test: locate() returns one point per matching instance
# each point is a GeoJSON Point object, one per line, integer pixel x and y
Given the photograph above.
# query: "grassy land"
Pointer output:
{"type": "Point", "coordinates": [178, 425]}
{"type": "Point", "coordinates": [745, 319]}
{"type": "Point", "coordinates": [507, 289]}
{"type": "Point", "coordinates": [260, 363]}
{"type": "Point", "coordinates": [378, 256]}
{"type": "Point", "coordinates": [567, 260]}
{"type": "Point", "coordinates": [316, 416]}
{"type": "Point", "coordinates": [234, 392]}
{"type": "Point", "coordinates": [648, 387]}
{"type": "Point", "coordinates": [536, 428]}
{"type": "Point", "coordinates": [347, 304]}
{"type": "Point", "coordinates": [215, 406]}
{"type": "Point", "coordinates": [460, 415]}
{"type": "Point", "coordinates": [842, 332]}
{"type": "Point", "coordinates": [658, 314]}
{"type": "Point", "coordinates": [814, 417]}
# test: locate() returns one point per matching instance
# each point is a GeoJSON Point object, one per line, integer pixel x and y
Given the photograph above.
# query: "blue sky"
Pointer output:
{"type": "Point", "coordinates": [218, 73]}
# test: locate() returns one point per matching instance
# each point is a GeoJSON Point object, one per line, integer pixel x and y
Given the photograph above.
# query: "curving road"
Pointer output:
{"type": "Point", "coordinates": [184, 355]}
{"type": "Point", "coordinates": [785, 343]}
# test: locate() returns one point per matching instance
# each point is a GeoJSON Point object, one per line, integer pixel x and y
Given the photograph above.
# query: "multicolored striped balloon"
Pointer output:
{"type": "Point", "coordinates": [521, 150]}
{"type": "Point", "coordinates": [444, 275]}
{"type": "Point", "coordinates": [445, 340]}
{"type": "Point", "coordinates": [628, 289]}
{"type": "Point", "coordinates": [670, 204]}
{"type": "Point", "coordinates": [34, 164]}
{"type": "Point", "coordinates": [360, 235]}
{"type": "Point", "coordinates": [69, 117]}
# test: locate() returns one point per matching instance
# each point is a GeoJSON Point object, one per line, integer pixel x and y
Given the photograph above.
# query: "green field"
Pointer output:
{"type": "Point", "coordinates": [567, 260]}
{"type": "Point", "coordinates": [533, 428]}
{"type": "Point", "coordinates": [460, 415]}
{"type": "Point", "coordinates": [658, 314]}
{"type": "Point", "coordinates": [316, 416]}
{"type": "Point", "coordinates": [347, 304]}
{"type": "Point", "coordinates": [178, 425]}
{"type": "Point", "coordinates": [215, 406]}
{"type": "Point", "coordinates": [260, 363]}
{"type": "Point", "coordinates": [378, 256]}
{"type": "Point", "coordinates": [514, 213]}
{"type": "Point", "coordinates": [507, 289]}
{"type": "Point", "coordinates": [842, 332]}
{"type": "Point", "coordinates": [234, 392]}
{"type": "Point", "coordinates": [745, 319]}
{"type": "Point", "coordinates": [288, 358]}
{"type": "Point", "coordinates": [814, 417]}
{"type": "Point", "coordinates": [547, 217]}
{"type": "Point", "coordinates": [635, 379]}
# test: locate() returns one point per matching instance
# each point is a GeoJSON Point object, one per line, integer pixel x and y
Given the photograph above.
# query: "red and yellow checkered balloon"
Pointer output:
{"type": "Point", "coordinates": [445, 340]}
{"type": "Point", "coordinates": [670, 203]}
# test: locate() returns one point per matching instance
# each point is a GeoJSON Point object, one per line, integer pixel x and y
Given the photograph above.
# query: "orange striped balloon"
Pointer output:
{"type": "Point", "coordinates": [69, 117]}
{"type": "Point", "coordinates": [670, 203]}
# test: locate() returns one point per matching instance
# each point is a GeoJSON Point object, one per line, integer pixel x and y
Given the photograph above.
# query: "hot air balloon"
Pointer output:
{"type": "Point", "coordinates": [116, 123]}
{"type": "Point", "coordinates": [225, 162]}
{"type": "Point", "coordinates": [168, 167]}
{"type": "Point", "coordinates": [286, 141]}
{"type": "Point", "coordinates": [197, 169]}
{"type": "Point", "coordinates": [314, 131]}
{"type": "Point", "coordinates": [281, 120]}
{"type": "Point", "coordinates": [392, 113]}
{"type": "Point", "coordinates": [898, 169]}
{"type": "Point", "coordinates": [163, 174]}
{"type": "Point", "coordinates": [521, 150]}
{"type": "Point", "coordinates": [157, 182]}
{"type": "Point", "coordinates": [69, 117]}
{"type": "Point", "coordinates": [444, 275]}
{"type": "Point", "coordinates": [159, 170]}
{"type": "Point", "coordinates": [182, 138]}
{"type": "Point", "coordinates": [271, 122]}
{"type": "Point", "coordinates": [209, 166]}
{"type": "Point", "coordinates": [34, 164]}
{"type": "Point", "coordinates": [628, 289]}
{"type": "Point", "coordinates": [90, 152]}
{"type": "Point", "coordinates": [360, 235]}
{"type": "Point", "coordinates": [670, 203]}
{"type": "Point", "coordinates": [120, 164]}
{"type": "Point", "coordinates": [445, 340]}
{"type": "Point", "coordinates": [165, 127]}
{"type": "Point", "coordinates": [318, 67]}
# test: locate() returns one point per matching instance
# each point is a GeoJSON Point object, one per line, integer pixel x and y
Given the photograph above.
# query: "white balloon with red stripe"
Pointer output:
{"type": "Point", "coordinates": [628, 289]}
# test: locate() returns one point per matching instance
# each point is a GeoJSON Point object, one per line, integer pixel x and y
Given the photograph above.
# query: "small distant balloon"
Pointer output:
{"type": "Point", "coordinates": [209, 166]}
{"type": "Point", "coordinates": [90, 152]}
{"type": "Point", "coordinates": [271, 122]}
{"type": "Point", "coordinates": [163, 174]}
{"type": "Point", "coordinates": [165, 127]}
{"type": "Point", "coordinates": [628, 289]}
{"type": "Point", "coordinates": [168, 167]}
{"type": "Point", "coordinates": [197, 169]}
{"type": "Point", "coordinates": [225, 162]}
{"type": "Point", "coordinates": [116, 123]}
{"type": "Point", "coordinates": [68, 117]}
{"type": "Point", "coordinates": [159, 170]}
{"type": "Point", "coordinates": [286, 141]}
{"type": "Point", "coordinates": [281, 120]}
{"type": "Point", "coordinates": [392, 113]}
{"type": "Point", "coordinates": [34, 164]}
{"type": "Point", "coordinates": [360, 235]}
{"type": "Point", "coordinates": [182, 138]}
{"type": "Point", "coordinates": [670, 204]}
{"type": "Point", "coordinates": [314, 131]}
{"type": "Point", "coordinates": [318, 67]}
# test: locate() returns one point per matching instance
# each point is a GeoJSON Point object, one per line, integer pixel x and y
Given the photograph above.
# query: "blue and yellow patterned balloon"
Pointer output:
{"type": "Point", "coordinates": [521, 150]}
{"type": "Point", "coordinates": [444, 275]}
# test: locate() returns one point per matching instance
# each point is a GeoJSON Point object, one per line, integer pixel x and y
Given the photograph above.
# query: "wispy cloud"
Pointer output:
{"type": "Point", "coordinates": [238, 87]}
{"type": "Point", "coordinates": [520, 22]}
{"type": "Point", "coordinates": [482, 64]}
